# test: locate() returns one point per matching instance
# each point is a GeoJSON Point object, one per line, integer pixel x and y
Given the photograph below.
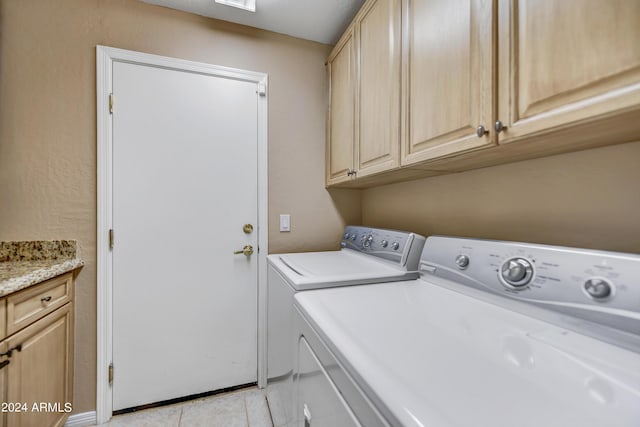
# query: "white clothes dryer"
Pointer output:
{"type": "Point", "coordinates": [492, 334]}
{"type": "Point", "coordinates": [367, 255]}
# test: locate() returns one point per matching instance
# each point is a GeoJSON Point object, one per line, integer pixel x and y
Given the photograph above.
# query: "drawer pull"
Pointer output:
{"type": "Point", "coordinates": [11, 350]}
{"type": "Point", "coordinates": [4, 363]}
{"type": "Point", "coordinates": [46, 299]}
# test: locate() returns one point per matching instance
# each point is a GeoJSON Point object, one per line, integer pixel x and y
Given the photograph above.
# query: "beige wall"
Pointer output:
{"type": "Point", "coordinates": [587, 199]}
{"type": "Point", "coordinates": [48, 128]}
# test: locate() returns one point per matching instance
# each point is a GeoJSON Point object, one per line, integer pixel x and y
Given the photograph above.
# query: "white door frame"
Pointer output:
{"type": "Point", "coordinates": [105, 57]}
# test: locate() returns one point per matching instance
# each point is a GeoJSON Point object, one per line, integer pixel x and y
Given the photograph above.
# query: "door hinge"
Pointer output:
{"type": "Point", "coordinates": [111, 373]}
{"type": "Point", "coordinates": [111, 103]}
{"type": "Point", "coordinates": [262, 89]}
{"type": "Point", "coordinates": [111, 238]}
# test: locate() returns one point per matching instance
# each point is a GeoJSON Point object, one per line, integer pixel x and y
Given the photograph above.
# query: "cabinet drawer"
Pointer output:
{"type": "Point", "coordinates": [29, 305]}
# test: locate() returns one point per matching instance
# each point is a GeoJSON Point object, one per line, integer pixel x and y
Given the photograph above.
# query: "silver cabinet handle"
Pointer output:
{"type": "Point", "coordinates": [499, 126]}
{"type": "Point", "coordinates": [481, 131]}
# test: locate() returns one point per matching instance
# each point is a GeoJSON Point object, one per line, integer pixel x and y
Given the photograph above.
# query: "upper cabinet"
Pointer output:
{"type": "Point", "coordinates": [341, 116]}
{"type": "Point", "coordinates": [449, 74]}
{"type": "Point", "coordinates": [563, 62]}
{"type": "Point", "coordinates": [378, 35]}
{"type": "Point", "coordinates": [363, 135]}
{"type": "Point", "coordinates": [478, 83]}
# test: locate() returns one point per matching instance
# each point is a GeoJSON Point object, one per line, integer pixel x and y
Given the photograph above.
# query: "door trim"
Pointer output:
{"type": "Point", "coordinates": [105, 57]}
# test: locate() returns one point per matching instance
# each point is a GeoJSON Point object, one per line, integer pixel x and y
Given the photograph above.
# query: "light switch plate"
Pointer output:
{"type": "Point", "coordinates": [285, 222]}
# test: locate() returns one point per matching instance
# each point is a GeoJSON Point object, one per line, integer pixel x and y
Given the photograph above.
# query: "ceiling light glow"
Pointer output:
{"type": "Point", "coordinates": [249, 5]}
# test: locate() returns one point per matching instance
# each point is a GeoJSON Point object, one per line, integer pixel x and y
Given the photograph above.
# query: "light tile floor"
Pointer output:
{"type": "Point", "coordinates": [242, 408]}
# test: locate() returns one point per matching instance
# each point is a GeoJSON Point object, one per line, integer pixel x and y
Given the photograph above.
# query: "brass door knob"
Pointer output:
{"type": "Point", "coordinates": [246, 251]}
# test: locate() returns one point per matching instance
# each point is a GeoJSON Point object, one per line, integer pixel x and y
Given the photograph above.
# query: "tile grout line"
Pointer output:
{"type": "Point", "coordinates": [266, 401]}
{"type": "Point", "coordinates": [180, 417]}
{"type": "Point", "coordinates": [246, 410]}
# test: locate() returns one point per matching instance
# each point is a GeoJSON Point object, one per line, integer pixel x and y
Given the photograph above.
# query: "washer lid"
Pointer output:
{"type": "Point", "coordinates": [311, 270]}
{"type": "Point", "coordinates": [429, 356]}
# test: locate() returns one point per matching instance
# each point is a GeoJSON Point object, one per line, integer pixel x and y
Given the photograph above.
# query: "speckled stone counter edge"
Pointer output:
{"type": "Point", "coordinates": [38, 250]}
{"type": "Point", "coordinates": [26, 263]}
{"type": "Point", "coordinates": [34, 277]}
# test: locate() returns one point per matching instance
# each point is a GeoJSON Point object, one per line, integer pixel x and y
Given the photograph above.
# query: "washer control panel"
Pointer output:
{"type": "Point", "coordinates": [599, 286]}
{"type": "Point", "coordinates": [401, 247]}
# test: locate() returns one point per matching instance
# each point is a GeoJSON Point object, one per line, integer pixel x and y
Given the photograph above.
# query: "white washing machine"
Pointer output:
{"type": "Point", "coordinates": [367, 255]}
{"type": "Point", "coordinates": [492, 334]}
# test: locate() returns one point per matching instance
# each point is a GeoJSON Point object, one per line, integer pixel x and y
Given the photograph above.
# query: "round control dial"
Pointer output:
{"type": "Point", "coordinates": [384, 243]}
{"type": "Point", "coordinates": [462, 261]}
{"type": "Point", "coordinates": [516, 272]}
{"type": "Point", "coordinates": [395, 246]}
{"type": "Point", "coordinates": [598, 289]}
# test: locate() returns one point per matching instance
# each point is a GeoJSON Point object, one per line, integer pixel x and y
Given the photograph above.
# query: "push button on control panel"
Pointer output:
{"type": "Point", "coordinates": [597, 288]}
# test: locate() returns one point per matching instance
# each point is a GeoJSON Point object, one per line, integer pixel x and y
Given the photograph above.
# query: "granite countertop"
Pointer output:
{"type": "Point", "coordinates": [23, 264]}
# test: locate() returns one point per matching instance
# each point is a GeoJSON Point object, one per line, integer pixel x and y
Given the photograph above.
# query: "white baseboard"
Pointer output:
{"type": "Point", "coordinates": [81, 420]}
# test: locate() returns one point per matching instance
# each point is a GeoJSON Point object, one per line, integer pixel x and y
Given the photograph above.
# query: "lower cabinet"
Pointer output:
{"type": "Point", "coordinates": [4, 362]}
{"type": "Point", "coordinates": [36, 378]}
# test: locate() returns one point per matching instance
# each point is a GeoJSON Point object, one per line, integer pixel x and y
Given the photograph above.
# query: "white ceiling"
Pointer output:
{"type": "Point", "coordinates": [318, 20]}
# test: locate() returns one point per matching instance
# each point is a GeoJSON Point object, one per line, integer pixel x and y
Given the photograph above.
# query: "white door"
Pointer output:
{"type": "Point", "coordinates": [184, 185]}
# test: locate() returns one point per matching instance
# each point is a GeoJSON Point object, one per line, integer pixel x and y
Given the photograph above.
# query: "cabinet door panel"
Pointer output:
{"type": "Point", "coordinates": [341, 112]}
{"type": "Point", "coordinates": [379, 79]}
{"type": "Point", "coordinates": [566, 61]}
{"type": "Point", "coordinates": [449, 77]}
{"type": "Point", "coordinates": [3, 381]}
{"type": "Point", "coordinates": [42, 372]}
{"type": "Point", "coordinates": [3, 319]}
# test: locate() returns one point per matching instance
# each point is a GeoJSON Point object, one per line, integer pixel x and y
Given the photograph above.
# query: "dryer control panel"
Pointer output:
{"type": "Point", "coordinates": [400, 247]}
{"type": "Point", "coordinates": [598, 286]}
